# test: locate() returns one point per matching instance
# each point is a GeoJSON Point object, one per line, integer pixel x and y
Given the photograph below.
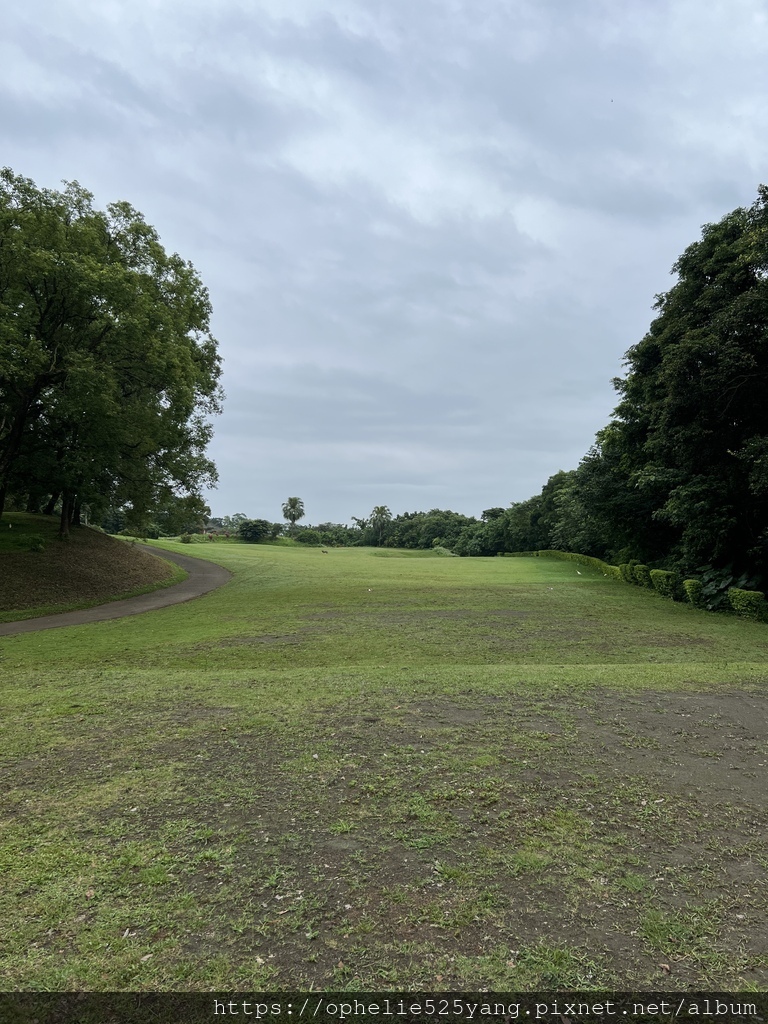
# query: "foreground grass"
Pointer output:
{"type": "Point", "coordinates": [363, 772]}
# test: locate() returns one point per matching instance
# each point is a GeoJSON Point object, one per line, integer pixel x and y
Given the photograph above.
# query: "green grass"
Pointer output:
{"type": "Point", "coordinates": [368, 772]}
{"type": "Point", "coordinates": [291, 608]}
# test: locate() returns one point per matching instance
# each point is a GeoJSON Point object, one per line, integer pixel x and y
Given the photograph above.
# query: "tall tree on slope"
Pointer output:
{"type": "Point", "coordinates": [108, 370]}
{"type": "Point", "coordinates": [692, 423]}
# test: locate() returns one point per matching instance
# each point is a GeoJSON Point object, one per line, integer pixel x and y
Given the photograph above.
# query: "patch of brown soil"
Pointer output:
{"type": "Point", "coordinates": [90, 566]}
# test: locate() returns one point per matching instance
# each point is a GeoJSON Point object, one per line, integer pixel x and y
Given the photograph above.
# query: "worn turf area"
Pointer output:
{"type": "Point", "coordinates": [552, 809]}
{"type": "Point", "coordinates": [41, 574]}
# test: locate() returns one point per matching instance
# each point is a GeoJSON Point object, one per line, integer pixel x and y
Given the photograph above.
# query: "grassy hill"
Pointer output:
{"type": "Point", "coordinates": [40, 574]}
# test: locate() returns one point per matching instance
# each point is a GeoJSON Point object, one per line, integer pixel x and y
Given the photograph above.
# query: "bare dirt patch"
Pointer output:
{"type": "Point", "coordinates": [561, 840]}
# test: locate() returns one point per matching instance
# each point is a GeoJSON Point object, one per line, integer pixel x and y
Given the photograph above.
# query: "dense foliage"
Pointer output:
{"type": "Point", "coordinates": [108, 370]}
{"type": "Point", "coordinates": [254, 530]}
{"type": "Point", "coordinates": [679, 478]}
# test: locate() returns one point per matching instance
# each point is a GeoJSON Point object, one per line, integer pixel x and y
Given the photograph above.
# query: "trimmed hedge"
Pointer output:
{"type": "Point", "coordinates": [750, 604]}
{"type": "Point", "coordinates": [591, 563]}
{"type": "Point", "coordinates": [693, 592]}
{"type": "Point", "coordinates": [664, 582]}
{"type": "Point", "coordinates": [642, 576]}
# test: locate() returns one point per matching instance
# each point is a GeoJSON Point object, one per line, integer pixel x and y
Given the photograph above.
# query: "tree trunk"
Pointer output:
{"type": "Point", "coordinates": [66, 514]}
{"type": "Point", "coordinates": [50, 508]}
{"type": "Point", "coordinates": [33, 503]}
{"type": "Point", "coordinates": [76, 512]}
{"type": "Point", "coordinates": [12, 444]}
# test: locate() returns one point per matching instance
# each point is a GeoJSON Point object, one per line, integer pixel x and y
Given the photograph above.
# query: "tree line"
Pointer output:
{"type": "Point", "coordinates": [678, 479]}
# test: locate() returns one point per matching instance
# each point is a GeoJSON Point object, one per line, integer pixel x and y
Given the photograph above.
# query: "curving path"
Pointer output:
{"type": "Point", "coordinates": [203, 576]}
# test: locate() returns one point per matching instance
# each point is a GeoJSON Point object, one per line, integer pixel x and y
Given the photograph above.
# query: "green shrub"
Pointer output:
{"type": "Point", "coordinates": [185, 538]}
{"type": "Point", "coordinates": [717, 581]}
{"type": "Point", "coordinates": [664, 582]}
{"type": "Point", "coordinates": [693, 592]}
{"type": "Point", "coordinates": [642, 576]}
{"type": "Point", "coordinates": [626, 571]}
{"type": "Point", "coordinates": [254, 530]}
{"type": "Point", "coordinates": [750, 604]}
{"type": "Point", "coordinates": [309, 536]}
{"type": "Point", "coordinates": [36, 542]}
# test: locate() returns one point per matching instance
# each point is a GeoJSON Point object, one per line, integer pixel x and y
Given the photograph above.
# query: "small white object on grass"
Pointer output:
{"type": "Point", "coordinates": [578, 573]}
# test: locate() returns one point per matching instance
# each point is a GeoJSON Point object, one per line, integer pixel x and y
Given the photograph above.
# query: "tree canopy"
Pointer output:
{"type": "Point", "coordinates": [692, 424]}
{"type": "Point", "coordinates": [293, 510]}
{"type": "Point", "coordinates": [108, 370]}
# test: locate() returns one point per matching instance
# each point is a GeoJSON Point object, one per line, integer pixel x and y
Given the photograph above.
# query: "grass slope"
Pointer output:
{"type": "Point", "coordinates": [88, 569]}
{"type": "Point", "coordinates": [352, 771]}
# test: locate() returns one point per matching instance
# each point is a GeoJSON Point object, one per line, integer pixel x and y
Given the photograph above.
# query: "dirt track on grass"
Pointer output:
{"type": "Point", "coordinates": [203, 577]}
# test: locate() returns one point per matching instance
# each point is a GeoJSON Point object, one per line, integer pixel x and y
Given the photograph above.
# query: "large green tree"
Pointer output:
{"type": "Point", "coordinates": [379, 520]}
{"type": "Point", "coordinates": [108, 370]}
{"type": "Point", "coordinates": [690, 436]}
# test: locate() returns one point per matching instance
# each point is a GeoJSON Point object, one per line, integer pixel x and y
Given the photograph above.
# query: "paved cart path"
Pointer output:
{"type": "Point", "coordinates": [203, 577]}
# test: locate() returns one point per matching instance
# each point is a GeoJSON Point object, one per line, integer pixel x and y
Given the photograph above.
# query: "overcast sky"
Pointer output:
{"type": "Point", "coordinates": [430, 230]}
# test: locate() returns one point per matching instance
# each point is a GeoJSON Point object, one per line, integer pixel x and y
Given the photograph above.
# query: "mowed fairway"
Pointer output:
{"type": "Point", "coordinates": [377, 770]}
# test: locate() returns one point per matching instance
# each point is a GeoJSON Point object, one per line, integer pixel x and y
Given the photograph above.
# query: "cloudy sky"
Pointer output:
{"type": "Point", "coordinates": [430, 230]}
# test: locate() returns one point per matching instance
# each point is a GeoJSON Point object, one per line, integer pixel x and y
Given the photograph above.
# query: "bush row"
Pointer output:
{"type": "Point", "coordinates": [588, 560]}
{"type": "Point", "coordinates": [750, 604]}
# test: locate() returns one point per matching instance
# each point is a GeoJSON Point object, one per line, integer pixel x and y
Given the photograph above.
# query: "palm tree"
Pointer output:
{"type": "Point", "coordinates": [293, 510]}
{"type": "Point", "coordinates": [379, 519]}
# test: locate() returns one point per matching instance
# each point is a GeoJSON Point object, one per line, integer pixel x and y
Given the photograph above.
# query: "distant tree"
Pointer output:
{"type": "Point", "coordinates": [172, 515]}
{"type": "Point", "coordinates": [379, 520]}
{"type": "Point", "coordinates": [176, 514]}
{"type": "Point", "coordinates": [337, 534]}
{"type": "Point", "coordinates": [293, 510]}
{"type": "Point", "coordinates": [232, 522]}
{"type": "Point", "coordinates": [309, 536]}
{"type": "Point", "coordinates": [254, 530]}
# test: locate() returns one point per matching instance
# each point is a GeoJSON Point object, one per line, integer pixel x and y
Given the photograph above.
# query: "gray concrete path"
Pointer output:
{"type": "Point", "coordinates": [203, 577]}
